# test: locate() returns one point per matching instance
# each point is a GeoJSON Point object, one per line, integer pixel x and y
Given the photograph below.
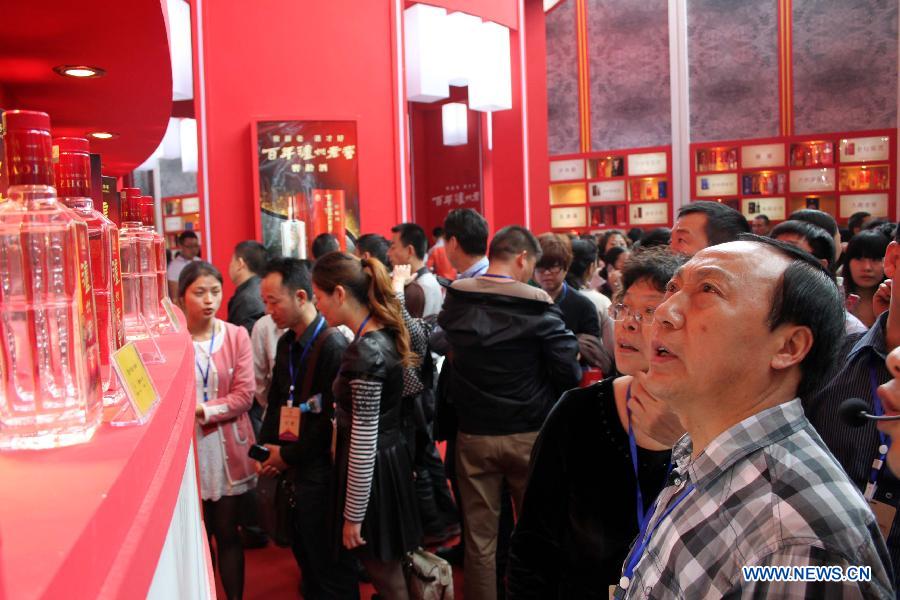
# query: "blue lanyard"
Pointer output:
{"type": "Point", "coordinates": [632, 446]}
{"type": "Point", "coordinates": [565, 291]}
{"type": "Point", "coordinates": [644, 536]}
{"type": "Point", "coordinates": [363, 325]}
{"type": "Point", "coordinates": [884, 440]}
{"type": "Point", "coordinates": [306, 347]}
{"type": "Point", "coordinates": [496, 276]}
{"type": "Point", "coordinates": [205, 375]}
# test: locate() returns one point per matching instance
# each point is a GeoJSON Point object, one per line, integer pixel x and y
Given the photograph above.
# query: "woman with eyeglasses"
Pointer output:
{"type": "Point", "coordinates": [600, 460]}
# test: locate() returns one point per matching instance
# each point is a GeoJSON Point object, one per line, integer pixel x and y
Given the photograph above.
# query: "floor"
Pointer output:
{"type": "Point", "coordinates": [271, 574]}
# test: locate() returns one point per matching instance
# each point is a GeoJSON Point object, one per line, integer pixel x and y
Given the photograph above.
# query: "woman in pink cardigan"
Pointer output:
{"type": "Point", "coordinates": [225, 385]}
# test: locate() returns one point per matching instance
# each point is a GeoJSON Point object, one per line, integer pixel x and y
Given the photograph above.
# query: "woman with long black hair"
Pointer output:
{"type": "Point", "coordinates": [377, 511]}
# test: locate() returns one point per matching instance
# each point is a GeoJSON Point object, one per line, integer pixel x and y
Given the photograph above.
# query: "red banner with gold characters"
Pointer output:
{"type": "Point", "coordinates": [305, 172]}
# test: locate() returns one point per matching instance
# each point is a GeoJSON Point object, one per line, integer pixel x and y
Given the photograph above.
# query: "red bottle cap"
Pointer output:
{"type": "Point", "coordinates": [130, 207]}
{"type": "Point", "coordinates": [148, 215]}
{"type": "Point", "coordinates": [28, 147]}
{"type": "Point", "coordinates": [72, 167]}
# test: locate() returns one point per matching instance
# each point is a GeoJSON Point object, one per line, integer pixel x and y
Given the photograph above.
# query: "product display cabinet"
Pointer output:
{"type": "Point", "coordinates": [611, 190]}
{"type": "Point", "coordinates": [180, 214]}
{"type": "Point", "coordinates": [839, 173]}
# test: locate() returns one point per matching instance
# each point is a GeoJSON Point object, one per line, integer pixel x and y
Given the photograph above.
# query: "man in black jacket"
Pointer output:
{"type": "Point", "coordinates": [512, 357]}
{"type": "Point", "coordinates": [306, 363]}
{"type": "Point", "coordinates": [246, 307]}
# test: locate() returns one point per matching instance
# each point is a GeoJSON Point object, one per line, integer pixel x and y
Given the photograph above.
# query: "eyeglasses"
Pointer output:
{"type": "Point", "coordinates": [620, 312]}
{"type": "Point", "coordinates": [548, 270]}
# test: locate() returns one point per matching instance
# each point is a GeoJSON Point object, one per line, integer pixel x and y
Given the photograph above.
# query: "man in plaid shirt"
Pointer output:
{"type": "Point", "coordinates": [746, 327]}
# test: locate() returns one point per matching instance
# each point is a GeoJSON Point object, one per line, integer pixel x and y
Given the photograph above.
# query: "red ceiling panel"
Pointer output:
{"type": "Point", "coordinates": [126, 38]}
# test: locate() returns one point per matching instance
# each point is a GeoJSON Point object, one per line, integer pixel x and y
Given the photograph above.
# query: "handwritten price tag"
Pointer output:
{"type": "Point", "coordinates": [135, 379]}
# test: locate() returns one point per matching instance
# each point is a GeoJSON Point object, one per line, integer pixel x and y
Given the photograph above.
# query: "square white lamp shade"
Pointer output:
{"type": "Point", "coordinates": [189, 145]}
{"type": "Point", "coordinates": [455, 124]}
{"type": "Point", "coordinates": [424, 30]}
{"type": "Point", "coordinates": [462, 49]}
{"type": "Point", "coordinates": [490, 86]}
{"type": "Point", "coordinates": [179, 20]}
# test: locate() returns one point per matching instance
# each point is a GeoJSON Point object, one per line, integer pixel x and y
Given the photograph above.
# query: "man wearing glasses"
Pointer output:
{"type": "Point", "coordinates": [579, 313]}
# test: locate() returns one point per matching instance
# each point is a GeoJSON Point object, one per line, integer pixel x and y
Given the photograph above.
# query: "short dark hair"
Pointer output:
{"type": "Point", "coordinates": [294, 273]}
{"type": "Point", "coordinates": [511, 241]}
{"type": "Point", "coordinates": [412, 235]}
{"type": "Point", "coordinates": [469, 228]}
{"type": "Point", "coordinates": [606, 235]}
{"type": "Point", "coordinates": [763, 218]}
{"type": "Point", "coordinates": [856, 220]}
{"type": "Point", "coordinates": [323, 244]}
{"type": "Point", "coordinates": [635, 234]}
{"type": "Point", "coordinates": [816, 217]}
{"type": "Point", "coordinates": [819, 240]}
{"type": "Point", "coordinates": [659, 236]}
{"type": "Point", "coordinates": [612, 255]}
{"type": "Point", "coordinates": [806, 295]}
{"type": "Point", "coordinates": [556, 251]}
{"type": "Point", "coordinates": [437, 232]}
{"type": "Point", "coordinates": [186, 235]}
{"type": "Point", "coordinates": [723, 223]}
{"type": "Point", "coordinates": [376, 245]}
{"type": "Point", "coordinates": [655, 265]}
{"type": "Point", "coordinates": [253, 254]}
{"type": "Point", "coordinates": [193, 271]}
{"type": "Point", "coordinates": [584, 254]}
{"type": "Point", "coordinates": [882, 226]}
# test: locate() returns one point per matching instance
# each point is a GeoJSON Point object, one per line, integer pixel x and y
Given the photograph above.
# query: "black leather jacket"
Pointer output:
{"type": "Point", "coordinates": [511, 355]}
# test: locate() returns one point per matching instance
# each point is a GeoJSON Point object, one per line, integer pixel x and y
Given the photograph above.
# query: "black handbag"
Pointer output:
{"type": "Point", "coordinates": [276, 496]}
{"type": "Point", "coordinates": [277, 502]}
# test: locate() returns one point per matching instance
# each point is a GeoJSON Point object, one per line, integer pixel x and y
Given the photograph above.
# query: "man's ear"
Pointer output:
{"type": "Point", "coordinates": [891, 258]}
{"type": "Point", "coordinates": [301, 295]}
{"type": "Point", "coordinates": [795, 342]}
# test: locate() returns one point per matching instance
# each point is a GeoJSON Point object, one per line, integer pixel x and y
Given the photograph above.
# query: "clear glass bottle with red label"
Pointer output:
{"type": "Point", "coordinates": [72, 163]}
{"type": "Point", "coordinates": [138, 268]}
{"type": "Point", "coordinates": [50, 362]}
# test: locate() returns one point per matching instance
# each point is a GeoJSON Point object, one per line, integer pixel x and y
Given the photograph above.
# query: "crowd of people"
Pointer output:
{"type": "Point", "coordinates": [642, 414]}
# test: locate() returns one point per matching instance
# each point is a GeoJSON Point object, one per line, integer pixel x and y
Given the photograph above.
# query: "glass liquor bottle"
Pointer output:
{"type": "Point", "coordinates": [148, 218]}
{"type": "Point", "coordinates": [73, 186]}
{"type": "Point", "coordinates": [50, 362]}
{"type": "Point", "coordinates": [138, 269]}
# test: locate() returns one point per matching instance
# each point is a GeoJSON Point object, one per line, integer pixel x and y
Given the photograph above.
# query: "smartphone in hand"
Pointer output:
{"type": "Point", "coordinates": [259, 452]}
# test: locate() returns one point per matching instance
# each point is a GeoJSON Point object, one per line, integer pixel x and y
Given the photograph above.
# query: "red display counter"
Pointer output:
{"type": "Point", "coordinates": [101, 520]}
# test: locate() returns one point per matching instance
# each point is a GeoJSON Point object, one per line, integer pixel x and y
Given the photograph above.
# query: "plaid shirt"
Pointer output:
{"type": "Point", "coordinates": [766, 492]}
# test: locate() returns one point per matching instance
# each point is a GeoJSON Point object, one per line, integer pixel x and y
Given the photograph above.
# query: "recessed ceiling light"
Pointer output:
{"type": "Point", "coordinates": [102, 135]}
{"type": "Point", "coordinates": [79, 71]}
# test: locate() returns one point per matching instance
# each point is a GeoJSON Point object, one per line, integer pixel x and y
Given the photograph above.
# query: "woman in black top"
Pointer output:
{"type": "Point", "coordinates": [376, 510]}
{"type": "Point", "coordinates": [580, 513]}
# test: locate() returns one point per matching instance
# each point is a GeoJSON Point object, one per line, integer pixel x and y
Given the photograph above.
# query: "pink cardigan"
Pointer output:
{"type": "Point", "coordinates": [236, 384]}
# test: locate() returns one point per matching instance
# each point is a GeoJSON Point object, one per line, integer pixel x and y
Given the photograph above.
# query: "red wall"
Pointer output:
{"type": "Point", "coordinates": [440, 171]}
{"type": "Point", "coordinates": [306, 60]}
{"type": "Point", "coordinates": [335, 60]}
{"type": "Point", "coordinates": [505, 167]}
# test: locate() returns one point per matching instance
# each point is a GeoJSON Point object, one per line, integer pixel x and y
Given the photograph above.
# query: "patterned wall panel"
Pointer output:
{"type": "Point", "coordinates": [562, 80]}
{"type": "Point", "coordinates": [845, 65]}
{"type": "Point", "coordinates": [733, 69]}
{"type": "Point", "coordinates": [628, 48]}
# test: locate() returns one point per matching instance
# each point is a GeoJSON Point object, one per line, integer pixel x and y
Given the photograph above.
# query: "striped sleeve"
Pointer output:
{"type": "Point", "coordinates": [418, 337]}
{"type": "Point", "coordinates": [366, 396]}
